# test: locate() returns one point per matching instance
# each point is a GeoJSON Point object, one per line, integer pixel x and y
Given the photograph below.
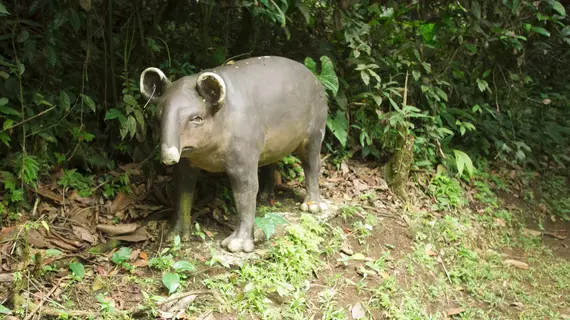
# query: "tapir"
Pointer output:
{"type": "Point", "coordinates": [241, 119]}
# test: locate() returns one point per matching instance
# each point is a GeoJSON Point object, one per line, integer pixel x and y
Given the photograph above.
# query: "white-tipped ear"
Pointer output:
{"type": "Point", "coordinates": [212, 88]}
{"type": "Point", "coordinates": [153, 83]}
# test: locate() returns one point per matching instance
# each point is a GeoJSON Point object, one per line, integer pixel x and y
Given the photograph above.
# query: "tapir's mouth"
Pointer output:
{"type": "Point", "coordinates": [187, 149]}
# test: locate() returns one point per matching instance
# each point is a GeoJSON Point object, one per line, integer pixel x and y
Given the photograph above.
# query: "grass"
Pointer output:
{"type": "Point", "coordinates": [448, 262]}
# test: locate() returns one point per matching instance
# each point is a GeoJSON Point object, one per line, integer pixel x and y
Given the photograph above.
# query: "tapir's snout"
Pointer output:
{"type": "Point", "coordinates": [169, 154]}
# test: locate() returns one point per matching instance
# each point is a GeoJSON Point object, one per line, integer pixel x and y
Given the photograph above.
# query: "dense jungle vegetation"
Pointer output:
{"type": "Point", "coordinates": [485, 80]}
{"type": "Point", "coordinates": [453, 90]}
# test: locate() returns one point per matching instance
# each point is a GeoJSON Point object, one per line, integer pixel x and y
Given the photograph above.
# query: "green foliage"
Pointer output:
{"type": "Point", "coordinates": [489, 78]}
{"type": "Point", "coordinates": [171, 281]}
{"type": "Point", "coordinates": [269, 222]}
{"type": "Point", "coordinates": [77, 269]}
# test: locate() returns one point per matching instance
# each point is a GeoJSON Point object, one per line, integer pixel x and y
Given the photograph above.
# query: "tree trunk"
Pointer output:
{"type": "Point", "coordinates": [398, 168]}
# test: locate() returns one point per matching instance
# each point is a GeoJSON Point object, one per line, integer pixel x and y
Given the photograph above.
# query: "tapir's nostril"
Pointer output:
{"type": "Point", "coordinates": [169, 155]}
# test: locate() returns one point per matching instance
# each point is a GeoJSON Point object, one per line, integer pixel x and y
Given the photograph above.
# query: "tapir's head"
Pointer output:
{"type": "Point", "coordinates": [186, 109]}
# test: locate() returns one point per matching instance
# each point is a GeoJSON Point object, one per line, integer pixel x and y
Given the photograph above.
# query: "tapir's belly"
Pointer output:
{"type": "Point", "coordinates": [277, 142]}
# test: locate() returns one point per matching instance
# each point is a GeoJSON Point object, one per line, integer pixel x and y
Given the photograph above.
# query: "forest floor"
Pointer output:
{"type": "Point", "coordinates": [493, 248]}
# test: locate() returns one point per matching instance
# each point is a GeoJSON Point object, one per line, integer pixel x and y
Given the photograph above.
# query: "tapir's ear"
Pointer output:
{"type": "Point", "coordinates": [153, 80]}
{"type": "Point", "coordinates": [212, 88]}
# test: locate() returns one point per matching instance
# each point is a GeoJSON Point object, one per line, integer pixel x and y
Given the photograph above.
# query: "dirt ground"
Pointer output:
{"type": "Point", "coordinates": [385, 260]}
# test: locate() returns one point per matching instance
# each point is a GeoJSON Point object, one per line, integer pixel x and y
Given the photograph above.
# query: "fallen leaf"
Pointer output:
{"type": "Point", "coordinates": [121, 202]}
{"type": "Point", "coordinates": [360, 257]}
{"type": "Point", "coordinates": [358, 311]}
{"type": "Point", "coordinates": [556, 235]}
{"type": "Point", "coordinates": [500, 222]}
{"type": "Point", "coordinates": [117, 229]}
{"type": "Point", "coordinates": [83, 234]}
{"type": "Point", "coordinates": [97, 284]}
{"type": "Point", "coordinates": [344, 168]}
{"type": "Point", "coordinates": [430, 250]}
{"type": "Point", "coordinates": [454, 311]}
{"type": "Point", "coordinates": [516, 263]}
{"type": "Point", "coordinates": [138, 235]}
{"type": "Point", "coordinates": [143, 255]}
{"type": "Point", "coordinates": [517, 304]}
{"type": "Point", "coordinates": [141, 263]}
{"type": "Point", "coordinates": [345, 248]}
{"type": "Point", "coordinates": [531, 232]}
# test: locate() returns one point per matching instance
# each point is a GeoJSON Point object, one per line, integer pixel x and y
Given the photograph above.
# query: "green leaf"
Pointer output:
{"type": "Point", "coordinates": [304, 10]}
{"type": "Point", "coordinates": [22, 37]}
{"type": "Point", "coordinates": [64, 100]}
{"type": "Point", "coordinates": [51, 56]}
{"type": "Point", "coordinates": [328, 76]}
{"type": "Point", "coordinates": [558, 7]}
{"type": "Point", "coordinates": [541, 31]}
{"type": "Point", "coordinates": [171, 281]}
{"type": "Point", "coordinates": [89, 102]}
{"type": "Point", "coordinates": [113, 114]}
{"type": "Point", "coordinates": [416, 74]}
{"type": "Point", "coordinates": [3, 9]}
{"type": "Point", "coordinates": [132, 125]}
{"type": "Point", "coordinates": [365, 77]}
{"type": "Point", "coordinates": [77, 269]}
{"type": "Point", "coordinates": [311, 65]}
{"type": "Point", "coordinates": [269, 223]}
{"type": "Point", "coordinates": [7, 124]}
{"type": "Point", "coordinates": [4, 310]}
{"type": "Point", "coordinates": [184, 266]}
{"type": "Point", "coordinates": [338, 125]}
{"type": "Point", "coordinates": [9, 111]}
{"type": "Point", "coordinates": [4, 75]}
{"type": "Point", "coordinates": [130, 100]}
{"type": "Point", "coordinates": [463, 161]}
{"type": "Point", "coordinates": [124, 254]}
{"type": "Point", "coordinates": [53, 253]}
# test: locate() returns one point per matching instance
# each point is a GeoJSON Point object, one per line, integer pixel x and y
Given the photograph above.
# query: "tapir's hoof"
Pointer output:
{"type": "Point", "coordinates": [314, 207]}
{"type": "Point", "coordinates": [236, 243]}
{"type": "Point", "coordinates": [184, 233]}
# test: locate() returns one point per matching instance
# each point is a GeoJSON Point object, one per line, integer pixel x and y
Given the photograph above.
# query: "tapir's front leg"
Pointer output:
{"type": "Point", "coordinates": [243, 178]}
{"type": "Point", "coordinates": [185, 176]}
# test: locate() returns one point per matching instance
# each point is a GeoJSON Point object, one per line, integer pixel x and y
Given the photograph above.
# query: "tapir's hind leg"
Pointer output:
{"type": "Point", "coordinates": [266, 183]}
{"type": "Point", "coordinates": [311, 160]}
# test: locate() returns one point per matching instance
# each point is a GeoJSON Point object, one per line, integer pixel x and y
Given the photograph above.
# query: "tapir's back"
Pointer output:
{"type": "Point", "coordinates": [276, 97]}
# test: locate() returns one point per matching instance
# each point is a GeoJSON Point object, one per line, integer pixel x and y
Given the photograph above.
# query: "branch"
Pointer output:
{"type": "Point", "coordinates": [30, 118]}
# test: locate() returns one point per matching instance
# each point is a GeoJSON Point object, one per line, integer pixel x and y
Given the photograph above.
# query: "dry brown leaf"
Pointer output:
{"type": "Point", "coordinates": [531, 232]}
{"type": "Point", "coordinates": [358, 311]}
{"type": "Point", "coordinates": [430, 250]}
{"type": "Point", "coordinates": [454, 311]}
{"type": "Point", "coordinates": [117, 229]}
{"type": "Point", "coordinates": [83, 234]}
{"type": "Point", "coordinates": [517, 304]}
{"type": "Point", "coordinates": [121, 202]}
{"type": "Point", "coordinates": [516, 263]}
{"type": "Point", "coordinates": [143, 255]}
{"type": "Point", "coordinates": [50, 195]}
{"type": "Point", "coordinates": [138, 235]}
{"type": "Point", "coordinates": [556, 235]}
{"type": "Point", "coordinates": [500, 222]}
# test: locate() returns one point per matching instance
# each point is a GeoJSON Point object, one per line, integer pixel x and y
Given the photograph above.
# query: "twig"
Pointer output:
{"type": "Point", "coordinates": [30, 118]}
{"type": "Point", "coordinates": [183, 295]}
{"type": "Point", "coordinates": [39, 305]}
{"type": "Point", "coordinates": [445, 269]}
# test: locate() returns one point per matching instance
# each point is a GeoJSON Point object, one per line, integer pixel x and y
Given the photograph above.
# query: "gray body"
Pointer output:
{"type": "Point", "coordinates": [234, 119]}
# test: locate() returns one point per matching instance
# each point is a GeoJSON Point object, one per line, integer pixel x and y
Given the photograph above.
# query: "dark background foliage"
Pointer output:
{"type": "Point", "coordinates": [485, 80]}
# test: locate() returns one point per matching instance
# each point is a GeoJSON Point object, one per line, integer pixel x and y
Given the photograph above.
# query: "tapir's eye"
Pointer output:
{"type": "Point", "coordinates": [197, 120]}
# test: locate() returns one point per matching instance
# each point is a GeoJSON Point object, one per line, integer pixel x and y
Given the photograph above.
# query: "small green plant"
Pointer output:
{"type": "Point", "coordinates": [77, 270]}
{"type": "Point", "coordinates": [174, 271]}
{"type": "Point", "coordinates": [269, 222]}
{"type": "Point", "coordinates": [73, 179]}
